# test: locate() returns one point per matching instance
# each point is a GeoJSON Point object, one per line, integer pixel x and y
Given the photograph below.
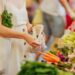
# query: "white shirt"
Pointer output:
{"type": "Point", "coordinates": [53, 7]}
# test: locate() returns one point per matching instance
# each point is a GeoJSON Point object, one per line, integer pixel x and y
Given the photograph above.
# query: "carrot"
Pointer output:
{"type": "Point", "coordinates": [55, 58]}
{"type": "Point", "coordinates": [50, 58]}
{"type": "Point", "coordinates": [51, 54]}
{"type": "Point", "coordinates": [45, 54]}
{"type": "Point", "coordinates": [47, 59]}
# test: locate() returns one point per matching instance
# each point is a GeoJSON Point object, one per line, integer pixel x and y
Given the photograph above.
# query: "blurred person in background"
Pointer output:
{"type": "Point", "coordinates": [30, 9]}
{"type": "Point", "coordinates": [53, 19]}
{"type": "Point", "coordinates": [69, 6]}
{"type": "Point", "coordinates": [38, 17]}
{"type": "Point", "coordinates": [34, 11]}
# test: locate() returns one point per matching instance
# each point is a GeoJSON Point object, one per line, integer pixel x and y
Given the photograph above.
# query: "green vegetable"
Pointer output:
{"type": "Point", "coordinates": [38, 68]}
{"type": "Point", "coordinates": [7, 19]}
{"type": "Point", "coordinates": [65, 50]}
{"type": "Point", "coordinates": [53, 52]}
{"type": "Point", "coordinates": [62, 66]}
{"type": "Point", "coordinates": [69, 39]}
{"type": "Point", "coordinates": [64, 73]}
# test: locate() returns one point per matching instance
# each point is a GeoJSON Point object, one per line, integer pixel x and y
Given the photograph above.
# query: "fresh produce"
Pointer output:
{"type": "Point", "coordinates": [53, 52]}
{"type": "Point", "coordinates": [69, 39]}
{"type": "Point", "coordinates": [49, 57]}
{"type": "Point", "coordinates": [7, 19]}
{"type": "Point", "coordinates": [59, 54]}
{"type": "Point", "coordinates": [65, 50]}
{"type": "Point", "coordinates": [63, 66]}
{"type": "Point", "coordinates": [54, 57]}
{"type": "Point", "coordinates": [38, 68]}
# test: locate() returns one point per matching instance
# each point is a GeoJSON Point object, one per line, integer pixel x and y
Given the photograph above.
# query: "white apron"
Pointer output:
{"type": "Point", "coordinates": [14, 51]}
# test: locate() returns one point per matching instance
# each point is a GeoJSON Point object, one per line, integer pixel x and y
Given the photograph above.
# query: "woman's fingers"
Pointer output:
{"type": "Point", "coordinates": [35, 44]}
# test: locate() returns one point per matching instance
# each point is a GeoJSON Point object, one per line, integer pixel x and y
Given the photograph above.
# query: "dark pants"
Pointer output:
{"type": "Point", "coordinates": [53, 25]}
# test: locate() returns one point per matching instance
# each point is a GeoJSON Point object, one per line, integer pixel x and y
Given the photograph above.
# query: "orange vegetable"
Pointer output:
{"type": "Point", "coordinates": [50, 57]}
{"type": "Point", "coordinates": [47, 59]}
{"type": "Point", "coordinates": [55, 58]}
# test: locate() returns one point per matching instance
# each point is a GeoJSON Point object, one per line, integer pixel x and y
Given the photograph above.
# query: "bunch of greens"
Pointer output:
{"type": "Point", "coordinates": [38, 68]}
{"type": "Point", "coordinates": [7, 19]}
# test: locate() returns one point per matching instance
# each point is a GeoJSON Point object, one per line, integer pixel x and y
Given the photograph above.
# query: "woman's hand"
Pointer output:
{"type": "Point", "coordinates": [31, 41]}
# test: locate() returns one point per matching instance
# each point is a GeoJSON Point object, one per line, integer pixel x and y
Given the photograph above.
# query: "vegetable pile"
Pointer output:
{"type": "Point", "coordinates": [41, 68]}
{"type": "Point", "coordinates": [38, 68]}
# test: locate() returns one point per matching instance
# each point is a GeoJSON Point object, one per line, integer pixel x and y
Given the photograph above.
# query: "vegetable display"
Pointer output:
{"type": "Point", "coordinates": [66, 52]}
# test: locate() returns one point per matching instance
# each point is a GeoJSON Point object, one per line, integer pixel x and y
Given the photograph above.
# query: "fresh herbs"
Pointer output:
{"type": "Point", "coordinates": [7, 19]}
{"type": "Point", "coordinates": [38, 68]}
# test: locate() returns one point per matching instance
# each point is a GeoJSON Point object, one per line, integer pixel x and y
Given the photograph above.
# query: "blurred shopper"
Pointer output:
{"type": "Point", "coordinates": [38, 17]}
{"type": "Point", "coordinates": [54, 19]}
{"type": "Point", "coordinates": [31, 7]}
{"type": "Point", "coordinates": [70, 10]}
{"type": "Point", "coordinates": [69, 6]}
{"type": "Point", "coordinates": [34, 11]}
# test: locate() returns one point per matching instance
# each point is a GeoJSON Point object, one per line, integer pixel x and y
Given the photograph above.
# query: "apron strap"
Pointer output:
{"type": "Point", "coordinates": [5, 4]}
{"type": "Point", "coordinates": [26, 11]}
